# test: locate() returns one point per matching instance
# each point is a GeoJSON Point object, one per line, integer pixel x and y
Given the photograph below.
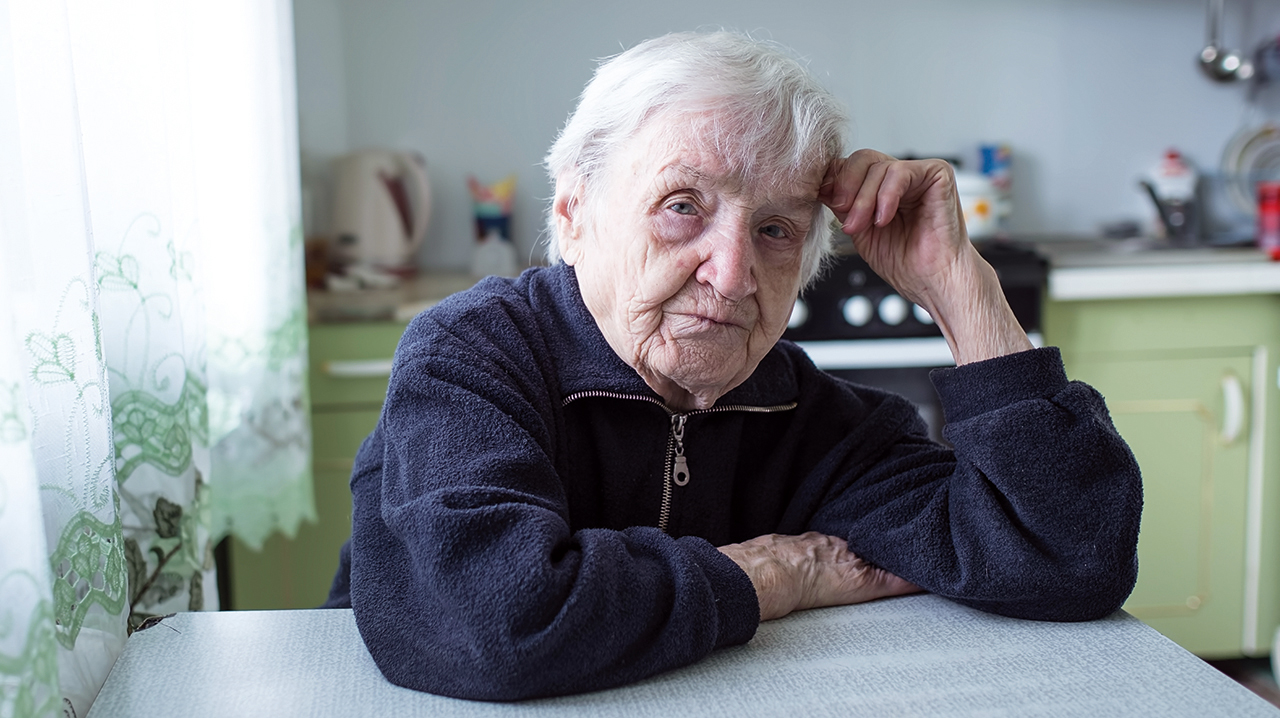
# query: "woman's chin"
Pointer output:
{"type": "Point", "coordinates": [704, 375]}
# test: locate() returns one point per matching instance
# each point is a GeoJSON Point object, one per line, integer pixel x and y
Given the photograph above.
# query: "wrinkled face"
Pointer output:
{"type": "Point", "coordinates": [689, 269]}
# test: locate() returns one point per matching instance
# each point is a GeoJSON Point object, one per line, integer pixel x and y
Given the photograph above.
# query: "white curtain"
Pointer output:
{"type": "Point", "coordinates": [152, 321]}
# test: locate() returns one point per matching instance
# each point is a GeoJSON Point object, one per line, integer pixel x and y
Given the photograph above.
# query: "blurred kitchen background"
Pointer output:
{"type": "Point", "coordinates": [1088, 94]}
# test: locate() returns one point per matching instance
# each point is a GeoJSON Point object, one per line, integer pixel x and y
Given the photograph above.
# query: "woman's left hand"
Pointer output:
{"type": "Point", "coordinates": [905, 220]}
{"type": "Point", "coordinates": [903, 216]}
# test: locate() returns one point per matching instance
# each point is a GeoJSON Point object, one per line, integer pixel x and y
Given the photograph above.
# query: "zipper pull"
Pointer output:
{"type": "Point", "coordinates": [681, 474]}
{"type": "Point", "coordinates": [682, 471]}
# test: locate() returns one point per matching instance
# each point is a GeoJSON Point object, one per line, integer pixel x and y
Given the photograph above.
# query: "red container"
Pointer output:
{"type": "Point", "coordinates": [1269, 218]}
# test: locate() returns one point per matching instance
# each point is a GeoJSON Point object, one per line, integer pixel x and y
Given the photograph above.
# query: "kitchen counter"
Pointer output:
{"type": "Point", "coordinates": [1080, 269]}
{"type": "Point", "coordinates": [1144, 268]}
{"type": "Point", "coordinates": [399, 304]}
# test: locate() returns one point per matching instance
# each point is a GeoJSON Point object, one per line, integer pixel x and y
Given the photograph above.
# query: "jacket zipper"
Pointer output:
{"type": "Point", "coordinates": [676, 467]}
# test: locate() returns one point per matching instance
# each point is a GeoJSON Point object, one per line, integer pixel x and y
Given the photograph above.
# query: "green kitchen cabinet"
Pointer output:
{"type": "Point", "coordinates": [350, 364]}
{"type": "Point", "coordinates": [1191, 385]}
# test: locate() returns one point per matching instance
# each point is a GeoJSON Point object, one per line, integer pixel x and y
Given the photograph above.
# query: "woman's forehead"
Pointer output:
{"type": "Point", "coordinates": [679, 153]}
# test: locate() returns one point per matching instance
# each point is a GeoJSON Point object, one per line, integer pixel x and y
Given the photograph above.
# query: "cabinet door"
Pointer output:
{"type": "Point", "coordinates": [350, 363]}
{"type": "Point", "coordinates": [297, 572]}
{"type": "Point", "coordinates": [1171, 411]}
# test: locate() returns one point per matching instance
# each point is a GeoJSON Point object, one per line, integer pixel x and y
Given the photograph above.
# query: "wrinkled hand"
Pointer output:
{"type": "Point", "coordinates": [793, 573]}
{"type": "Point", "coordinates": [903, 215]}
{"type": "Point", "coordinates": [905, 220]}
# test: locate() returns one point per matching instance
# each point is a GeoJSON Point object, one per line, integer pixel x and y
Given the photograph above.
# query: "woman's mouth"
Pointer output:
{"type": "Point", "coordinates": [681, 322]}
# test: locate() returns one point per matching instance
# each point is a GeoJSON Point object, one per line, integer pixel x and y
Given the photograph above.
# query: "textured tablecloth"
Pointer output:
{"type": "Point", "coordinates": [915, 655]}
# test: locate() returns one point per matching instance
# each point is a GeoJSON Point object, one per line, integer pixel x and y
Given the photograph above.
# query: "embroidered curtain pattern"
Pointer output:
{"type": "Point", "coordinates": [152, 321]}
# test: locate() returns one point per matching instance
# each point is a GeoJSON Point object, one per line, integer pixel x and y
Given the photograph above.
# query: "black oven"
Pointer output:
{"type": "Point", "coordinates": [854, 325]}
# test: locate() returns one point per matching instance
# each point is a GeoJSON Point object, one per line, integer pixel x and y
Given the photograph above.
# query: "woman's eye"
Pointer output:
{"type": "Point", "coordinates": [776, 231]}
{"type": "Point", "coordinates": [682, 208]}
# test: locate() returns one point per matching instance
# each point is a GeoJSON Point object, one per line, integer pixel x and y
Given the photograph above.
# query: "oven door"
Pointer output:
{"type": "Point", "coordinates": [898, 365]}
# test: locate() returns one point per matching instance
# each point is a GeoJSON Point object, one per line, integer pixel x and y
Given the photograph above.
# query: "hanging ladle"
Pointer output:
{"type": "Point", "coordinates": [1219, 64]}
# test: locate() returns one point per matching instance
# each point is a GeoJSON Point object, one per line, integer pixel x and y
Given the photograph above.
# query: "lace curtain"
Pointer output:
{"type": "Point", "coordinates": [152, 321]}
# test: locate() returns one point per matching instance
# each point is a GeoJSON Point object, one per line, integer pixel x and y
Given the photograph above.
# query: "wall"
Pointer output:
{"type": "Point", "coordinates": [1087, 92]}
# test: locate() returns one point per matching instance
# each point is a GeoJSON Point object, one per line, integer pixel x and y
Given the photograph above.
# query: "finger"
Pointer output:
{"type": "Point", "coordinates": [826, 189]}
{"type": "Point", "coordinates": [862, 213]}
{"type": "Point", "coordinates": [845, 578]}
{"type": "Point", "coordinates": [907, 182]}
{"type": "Point", "coordinates": [840, 183]}
{"type": "Point", "coordinates": [899, 180]}
{"type": "Point", "coordinates": [892, 585]}
{"type": "Point", "coordinates": [844, 176]}
{"type": "Point", "coordinates": [879, 583]}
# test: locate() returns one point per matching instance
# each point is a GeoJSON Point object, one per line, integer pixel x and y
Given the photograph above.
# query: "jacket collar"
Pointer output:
{"type": "Point", "coordinates": [585, 361]}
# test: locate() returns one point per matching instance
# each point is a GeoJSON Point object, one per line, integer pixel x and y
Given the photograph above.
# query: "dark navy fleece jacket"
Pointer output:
{"type": "Point", "coordinates": [506, 510]}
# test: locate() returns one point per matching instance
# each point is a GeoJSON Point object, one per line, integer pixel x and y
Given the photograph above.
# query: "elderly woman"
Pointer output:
{"type": "Point", "coordinates": [611, 466]}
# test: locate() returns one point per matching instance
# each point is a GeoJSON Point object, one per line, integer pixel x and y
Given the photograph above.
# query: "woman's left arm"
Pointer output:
{"type": "Point", "coordinates": [1034, 513]}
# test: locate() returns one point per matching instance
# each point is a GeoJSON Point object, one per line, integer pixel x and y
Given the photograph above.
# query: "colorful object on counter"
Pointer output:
{"type": "Point", "coordinates": [996, 164]}
{"type": "Point", "coordinates": [979, 201]}
{"type": "Point", "coordinates": [493, 206]}
{"type": "Point", "coordinates": [1269, 218]}
{"type": "Point", "coordinates": [1173, 188]}
{"type": "Point", "coordinates": [494, 252]}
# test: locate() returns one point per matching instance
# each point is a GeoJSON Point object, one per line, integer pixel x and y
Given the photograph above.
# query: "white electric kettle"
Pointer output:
{"type": "Point", "coordinates": [382, 201]}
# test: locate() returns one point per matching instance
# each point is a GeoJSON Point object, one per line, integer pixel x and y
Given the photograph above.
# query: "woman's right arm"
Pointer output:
{"type": "Point", "coordinates": [466, 578]}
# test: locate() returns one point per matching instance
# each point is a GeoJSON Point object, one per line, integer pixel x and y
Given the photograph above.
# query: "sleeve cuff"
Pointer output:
{"type": "Point", "coordinates": [737, 610]}
{"type": "Point", "coordinates": [977, 388]}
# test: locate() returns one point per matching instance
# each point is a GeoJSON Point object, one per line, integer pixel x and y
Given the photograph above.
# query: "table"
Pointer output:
{"type": "Point", "coordinates": [913, 655]}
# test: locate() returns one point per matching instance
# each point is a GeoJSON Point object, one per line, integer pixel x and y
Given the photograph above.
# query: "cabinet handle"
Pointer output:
{"type": "Point", "coordinates": [358, 369]}
{"type": "Point", "coordinates": [1232, 408]}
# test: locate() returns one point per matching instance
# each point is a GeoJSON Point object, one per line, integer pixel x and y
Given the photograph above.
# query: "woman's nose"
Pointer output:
{"type": "Point", "coordinates": [729, 263]}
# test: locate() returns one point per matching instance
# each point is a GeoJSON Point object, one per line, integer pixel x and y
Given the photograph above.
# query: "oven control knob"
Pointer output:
{"type": "Point", "coordinates": [799, 315]}
{"type": "Point", "coordinates": [857, 310]}
{"type": "Point", "coordinates": [893, 309]}
{"type": "Point", "coordinates": [920, 314]}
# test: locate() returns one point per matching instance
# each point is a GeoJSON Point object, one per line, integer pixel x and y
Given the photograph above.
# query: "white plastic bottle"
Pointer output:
{"type": "Point", "coordinates": [494, 255]}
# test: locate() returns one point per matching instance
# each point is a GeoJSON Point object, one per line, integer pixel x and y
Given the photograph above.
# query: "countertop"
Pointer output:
{"type": "Point", "coordinates": [1082, 269]}
{"type": "Point", "coordinates": [398, 304]}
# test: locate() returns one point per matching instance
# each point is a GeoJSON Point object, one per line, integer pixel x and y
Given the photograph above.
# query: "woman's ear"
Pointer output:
{"type": "Point", "coordinates": [569, 217]}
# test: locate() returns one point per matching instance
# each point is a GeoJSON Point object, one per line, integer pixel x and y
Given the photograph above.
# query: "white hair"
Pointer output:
{"type": "Point", "coordinates": [767, 117]}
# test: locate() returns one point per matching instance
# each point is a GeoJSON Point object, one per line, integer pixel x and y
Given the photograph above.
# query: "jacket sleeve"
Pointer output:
{"type": "Point", "coordinates": [1035, 512]}
{"type": "Point", "coordinates": [466, 580]}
